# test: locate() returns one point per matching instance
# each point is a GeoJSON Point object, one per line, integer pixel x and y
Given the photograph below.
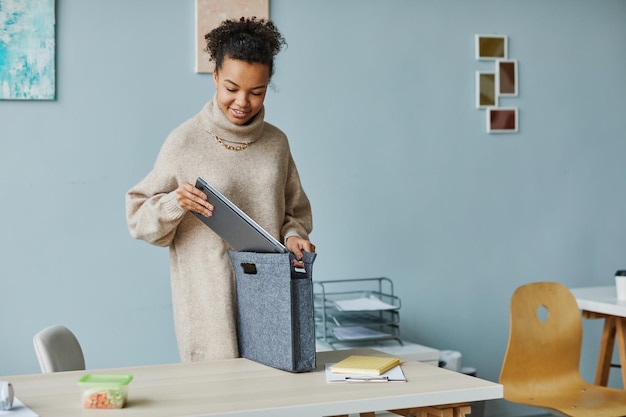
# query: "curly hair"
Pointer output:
{"type": "Point", "coordinates": [250, 40]}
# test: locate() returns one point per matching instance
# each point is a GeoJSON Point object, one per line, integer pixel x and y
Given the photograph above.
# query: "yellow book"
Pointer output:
{"type": "Point", "coordinates": [364, 365]}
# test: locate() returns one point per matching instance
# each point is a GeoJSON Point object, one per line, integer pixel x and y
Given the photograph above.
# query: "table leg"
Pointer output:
{"type": "Point", "coordinates": [448, 410]}
{"type": "Point", "coordinates": [620, 325]}
{"type": "Point", "coordinates": [613, 326]}
{"type": "Point", "coordinates": [605, 354]}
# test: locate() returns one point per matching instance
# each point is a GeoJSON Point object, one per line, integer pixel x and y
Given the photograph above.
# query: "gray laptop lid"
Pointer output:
{"type": "Point", "coordinates": [234, 226]}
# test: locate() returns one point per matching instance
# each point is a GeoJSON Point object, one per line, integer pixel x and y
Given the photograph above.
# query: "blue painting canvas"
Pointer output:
{"type": "Point", "coordinates": [27, 49]}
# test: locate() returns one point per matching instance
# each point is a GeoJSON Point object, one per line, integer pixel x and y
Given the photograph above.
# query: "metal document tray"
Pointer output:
{"type": "Point", "coordinates": [356, 310]}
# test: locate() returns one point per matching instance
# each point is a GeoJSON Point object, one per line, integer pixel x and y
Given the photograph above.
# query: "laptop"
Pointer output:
{"type": "Point", "coordinates": [234, 226]}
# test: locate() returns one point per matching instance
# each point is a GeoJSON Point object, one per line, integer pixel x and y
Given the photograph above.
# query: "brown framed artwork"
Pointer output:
{"type": "Point", "coordinates": [507, 77]}
{"type": "Point", "coordinates": [502, 120]}
{"type": "Point", "coordinates": [490, 47]}
{"type": "Point", "coordinates": [210, 13]}
{"type": "Point", "coordinates": [486, 93]}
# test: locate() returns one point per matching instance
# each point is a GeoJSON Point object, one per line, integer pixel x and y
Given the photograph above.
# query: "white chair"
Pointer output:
{"type": "Point", "coordinates": [58, 350]}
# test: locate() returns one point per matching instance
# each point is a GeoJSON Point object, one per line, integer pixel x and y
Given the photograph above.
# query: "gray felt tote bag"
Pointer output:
{"type": "Point", "coordinates": [276, 322]}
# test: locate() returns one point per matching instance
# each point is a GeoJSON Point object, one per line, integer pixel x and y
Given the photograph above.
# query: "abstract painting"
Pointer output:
{"type": "Point", "coordinates": [210, 13]}
{"type": "Point", "coordinates": [491, 47]}
{"type": "Point", "coordinates": [502, 120]}
{"type": "Point", "coordinates": [486, 95]}
{"type": "Point", "coordinates": [507, 77]}
{"type": "Point", "coordinates": [27, 49]}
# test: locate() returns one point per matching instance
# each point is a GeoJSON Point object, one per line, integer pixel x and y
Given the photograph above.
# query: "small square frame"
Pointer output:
{"type": "Point", "coordinates": [502, 120]}
{"type": "Point", "coordinates": [486, 89]}
{"type": "Point", "coordinates": [491, 47]}
{"type": "Point", "coordinates": [209, 14]}
{"type": "Point", "coordinates": [507, 77]}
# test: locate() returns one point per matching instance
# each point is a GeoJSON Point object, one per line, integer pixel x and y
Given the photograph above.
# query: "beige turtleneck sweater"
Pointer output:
{"type": "Point", "coordinates": [261, 179]}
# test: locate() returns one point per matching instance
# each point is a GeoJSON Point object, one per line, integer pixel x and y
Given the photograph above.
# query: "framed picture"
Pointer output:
{"type": "Point", "coordinates": [486, 93]}
{"type": "Point", "coordinates": [502, 120]}
{"type": "Point", "coordinates": [490, 47]}
{"type": "Point", "coordinates": [27, 50]}
{"type": "Point", "coordinates": [210, 13]}
{"type": "Point", "coordinates": [507, 77]}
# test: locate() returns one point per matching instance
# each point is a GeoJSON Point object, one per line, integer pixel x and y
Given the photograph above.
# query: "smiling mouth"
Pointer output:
{"type": "Point", "coordinates": [238, 112]}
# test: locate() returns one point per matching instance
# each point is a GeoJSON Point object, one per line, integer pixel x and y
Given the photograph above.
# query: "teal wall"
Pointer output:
{"type": "Point", "coordinates": [377, 98]}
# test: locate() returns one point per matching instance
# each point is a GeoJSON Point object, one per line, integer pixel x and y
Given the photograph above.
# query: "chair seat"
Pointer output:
{"type": "Point", "coordinates": [584, 400]}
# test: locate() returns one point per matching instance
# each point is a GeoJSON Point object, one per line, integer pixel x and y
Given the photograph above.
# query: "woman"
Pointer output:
{"type": "Point", "coordinates": [231, 146]}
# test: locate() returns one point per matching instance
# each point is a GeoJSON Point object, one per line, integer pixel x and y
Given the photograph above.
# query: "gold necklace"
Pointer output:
{"type": "Point", "coordinates": [230, 147]}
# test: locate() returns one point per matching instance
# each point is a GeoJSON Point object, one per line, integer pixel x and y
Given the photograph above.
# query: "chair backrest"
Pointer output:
{"type": "Point", "coordinates": [58, 350]}
{"type": "Point", "coordinates": [545, 340]}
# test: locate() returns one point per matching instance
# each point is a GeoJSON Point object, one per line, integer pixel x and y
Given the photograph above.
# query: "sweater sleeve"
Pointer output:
{"type": "Point", "coordinates": [298, 217]}
{"type": "Point", "coordinates": [152, 210]}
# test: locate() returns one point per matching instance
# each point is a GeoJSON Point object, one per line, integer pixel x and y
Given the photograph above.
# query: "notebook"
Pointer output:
{"type": "Point", "coordinates": [234, 226]}
{"type": "Point", "coordinates": [364, 365]}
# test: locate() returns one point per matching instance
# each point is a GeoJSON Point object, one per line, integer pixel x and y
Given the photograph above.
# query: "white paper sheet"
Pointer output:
{"type": "Point", "coordinates": [358, 333]}
{"type": "Point", "coordinates": [395, 374]}
{"type": "Point", "coordinates": [18, 410]}
{"type": "Point", "coordinates": [363, 304]}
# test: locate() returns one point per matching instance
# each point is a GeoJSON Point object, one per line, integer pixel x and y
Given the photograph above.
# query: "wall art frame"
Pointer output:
{"type": "Point", "coordinates": [210, 13]}
{"type": "Point", "coordinates": [27, 49]}
{"type": "Point", "coordinates": [502, 120]}
{"type": "Point", "coordinates": [507, 77]}
{"type": "Point", "coordinates": [486, 91]}
{"type": "Point", "coordinates": [491, 47]}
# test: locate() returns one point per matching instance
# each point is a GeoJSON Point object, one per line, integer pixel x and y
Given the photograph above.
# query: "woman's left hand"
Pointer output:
{"type": "Point", "coordinates": [296, 245]}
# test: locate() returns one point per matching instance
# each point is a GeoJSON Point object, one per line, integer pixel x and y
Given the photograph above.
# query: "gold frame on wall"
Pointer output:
{"type": "Point", "coordinates": [210, 13]}
{"type": "Point", "coordinates": [490, 47]}
{"type": "Point", "coordinates": [486, 91]}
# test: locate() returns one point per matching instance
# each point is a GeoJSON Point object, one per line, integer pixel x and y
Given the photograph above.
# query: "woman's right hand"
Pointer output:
{"type": "Point", "coordinates": [191, 198]}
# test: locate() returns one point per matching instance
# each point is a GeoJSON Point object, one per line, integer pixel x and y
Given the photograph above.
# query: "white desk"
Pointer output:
{"type": "Point", "coordinates": [602, 303]}
{"type": "Point", "coordinates": [242, 388]}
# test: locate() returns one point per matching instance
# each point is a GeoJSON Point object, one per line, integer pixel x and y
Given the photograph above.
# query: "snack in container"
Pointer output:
{"type": "Point", "coordinates": [104, 390]}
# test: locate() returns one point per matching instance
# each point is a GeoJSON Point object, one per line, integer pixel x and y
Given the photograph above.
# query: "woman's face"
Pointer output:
{"type": "Point", "coordinates": [241, 89]}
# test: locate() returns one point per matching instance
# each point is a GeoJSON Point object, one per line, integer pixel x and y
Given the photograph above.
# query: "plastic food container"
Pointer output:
{"type": "Point", "coordinates": [104, 390]}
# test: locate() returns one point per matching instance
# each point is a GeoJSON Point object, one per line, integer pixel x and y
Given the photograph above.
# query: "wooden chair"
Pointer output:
{"type": "Point", "coordinates": [58, 350]}
{"type": "Point", "coordinates": [541, 365]}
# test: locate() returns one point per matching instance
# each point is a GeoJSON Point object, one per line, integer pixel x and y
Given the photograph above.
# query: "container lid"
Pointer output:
{"type": "Point", "coordinates": [620, 273]}
{"type": "Point", "coordinates": [105, 380]}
